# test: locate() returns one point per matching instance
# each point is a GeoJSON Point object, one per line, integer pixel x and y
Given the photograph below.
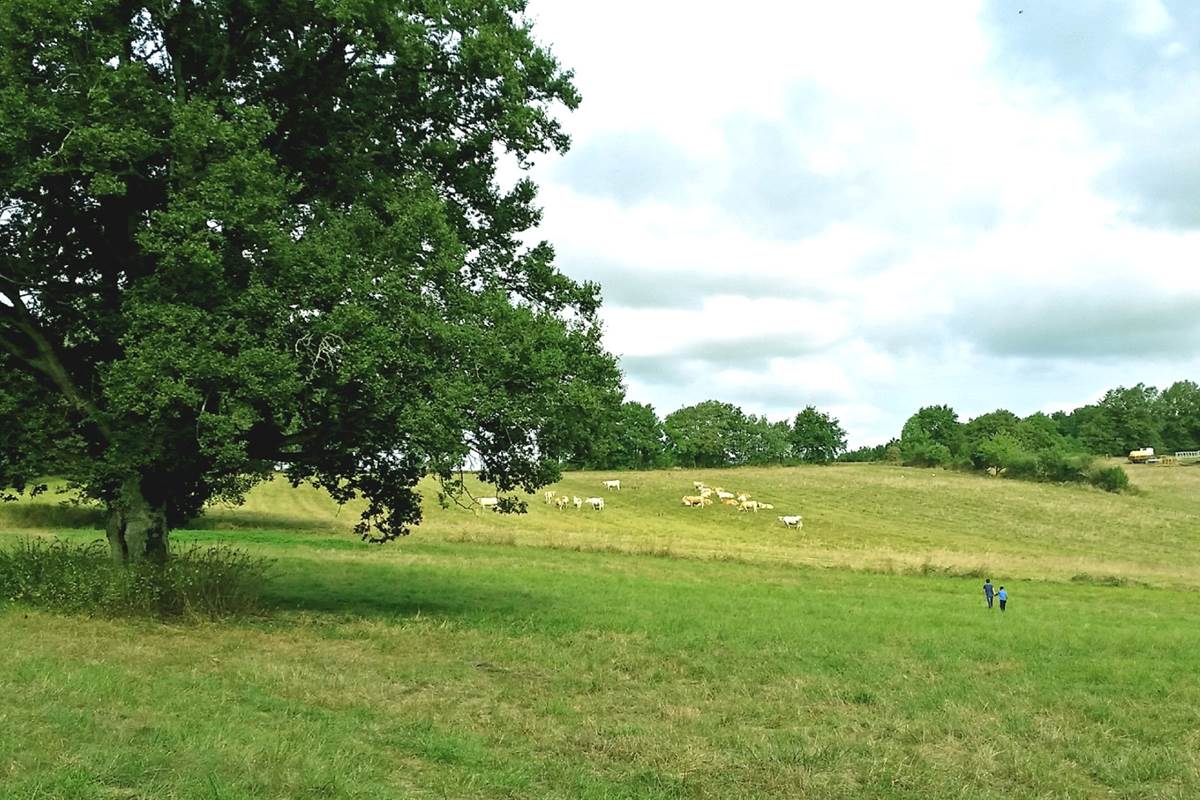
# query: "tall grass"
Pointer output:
{"type": "Point", "coordinates": [207, 582]}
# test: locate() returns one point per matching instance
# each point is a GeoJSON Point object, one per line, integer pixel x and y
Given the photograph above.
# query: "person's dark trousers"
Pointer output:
{"type": "Point", "coordinates": [989, 604]}
{"type": "Point", "coordinates": [1002, 604]}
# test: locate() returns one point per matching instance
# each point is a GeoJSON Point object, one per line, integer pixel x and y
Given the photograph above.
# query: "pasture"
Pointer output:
{"type": "Point", "coordinates": [647, 650]}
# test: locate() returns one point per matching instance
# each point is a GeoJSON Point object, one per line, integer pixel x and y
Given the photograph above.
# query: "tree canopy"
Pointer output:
{"type": "Point", "coordinates": [631, 438]}
{"type": "Point", "coordinates": [707, 434]}
{"type": "Point", "coordinates": [817, 438]}
{"type": "Point", "coordinates": [932, 437]}
{"type": "Point", "coordinates": [244, 236]}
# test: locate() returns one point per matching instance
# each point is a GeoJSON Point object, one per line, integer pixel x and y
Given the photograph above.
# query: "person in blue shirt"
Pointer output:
{"type": "Point", "coordinates": [1003, 596]}
{"type": "Point", "coordinates": [988, 591]}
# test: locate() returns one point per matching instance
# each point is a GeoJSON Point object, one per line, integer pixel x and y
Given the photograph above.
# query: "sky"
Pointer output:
{"type": "Point", "coordinates": [872, 206]}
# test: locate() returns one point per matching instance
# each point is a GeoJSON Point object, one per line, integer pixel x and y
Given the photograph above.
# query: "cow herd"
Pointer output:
{"type": "Point", "coordinates": [703, 497]}
{"type": "Point", "coordinates": [562, 501]}
{"type": "Point", "coordinates": [742, 501]}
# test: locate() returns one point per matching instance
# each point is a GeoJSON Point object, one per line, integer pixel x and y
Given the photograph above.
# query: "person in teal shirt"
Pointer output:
{"type": "Point", "coordinates": [1002, 596]}
{"type": "Point", "coordinates": [988, 591]}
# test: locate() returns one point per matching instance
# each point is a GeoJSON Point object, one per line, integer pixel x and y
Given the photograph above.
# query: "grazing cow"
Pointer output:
{"type": "Point", "coordinates": [578, 501]}
{"type": "Point", "coordinates": [743, 497]}
{"type": "Point", "coordinates": [724, 495]}
{"type": "Point", "coordinates": [695, 502]}
{"type": "Point", "coordinates": [488, 502]}
{"type": "Point", "coordinates": [749, 505]}
{"type": "Point", "coordinates": [596, 502]}
{"type": "Point", "coordinates": [562, 502]}
{"type": "Point", "coordinates": [795, 521]}
{"type": "Point", "coordinates": [706, 492]}
{"type": "Point", "coordinates": [549, 495]}
{"type": "Point", "coordinates": [610, 485]}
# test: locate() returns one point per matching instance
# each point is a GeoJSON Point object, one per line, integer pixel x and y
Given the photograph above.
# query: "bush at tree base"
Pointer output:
{"type": "Point", "coordinates": [206, 582]}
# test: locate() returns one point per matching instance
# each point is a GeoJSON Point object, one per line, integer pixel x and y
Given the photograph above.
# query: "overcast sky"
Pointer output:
{"type": "Point", "coordinates": [874, 206]}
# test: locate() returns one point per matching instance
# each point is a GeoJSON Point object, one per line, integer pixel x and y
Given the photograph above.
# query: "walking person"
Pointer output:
{"type": "Point", "coordinates": [1003, 596]}
{"type": "Point", "coordinates": [988, 592]}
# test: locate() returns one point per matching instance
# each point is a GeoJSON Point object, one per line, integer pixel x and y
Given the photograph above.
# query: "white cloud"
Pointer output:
{"type": "Point", "coordinates": [875, 206]}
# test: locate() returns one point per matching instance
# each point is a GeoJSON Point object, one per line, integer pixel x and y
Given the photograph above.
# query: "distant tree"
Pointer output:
{"type": "Point", "coordinates": [932, 437]}
{"type": "Point", "coordinates": [867, 453]}
{"type": "Point", "coordinates": [1073, 426]}
{"type": "Point", "coordinates": [762, 442]}
{"type": "Point", "coordinates": [236, 236]}
{"type": "Point", "coordinates": [1178, 412]}
{"type": "Point", "coordinates": [633, 439]}
{"type": "Point", "coordinates": [983, 428]}
{"type": "Point", "coordinates": [1125, 421]}
{"type": "Point", "coordinates": [1039, 432]}
{"type": "Point", "coordinates": [999, 451]}
{"type": "Point", "coordinates": [708, 434]}
{"type": "Point", "coordinates": [817, 437]}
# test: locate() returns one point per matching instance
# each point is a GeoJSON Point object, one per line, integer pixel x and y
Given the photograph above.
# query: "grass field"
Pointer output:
{"type": "Point", "coordinates": [647, 651]}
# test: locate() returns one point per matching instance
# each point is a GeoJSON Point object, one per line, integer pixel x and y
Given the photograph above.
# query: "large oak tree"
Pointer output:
{"type": "Point", "coordinates": [238, 236]}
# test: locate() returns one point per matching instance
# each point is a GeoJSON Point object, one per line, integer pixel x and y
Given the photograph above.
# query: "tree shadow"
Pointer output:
{"type": "Point", "coordinates": [385, 591]}
{"type": "Point", "coordinates": [42, 516]}
{"type": "Point", "coordinates": [238, 519]}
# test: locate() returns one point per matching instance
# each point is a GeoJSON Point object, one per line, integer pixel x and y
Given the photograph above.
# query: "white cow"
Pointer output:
{"type": "Point", "coordinates": [578, 501]}
{"type": "Point", "coordinates": [596, 502]}
{"type": "Point", "coordinates": [549, 495]}
{"type": "Point", "coordinates": [562, 501]}
{"type": "Point", "coordinates": [488, 502]}
{"type": "Point", "coordinates": [724, 495]}
{"type": "Point", "coordinates": [610, 485]}
{"type": "Point", "coordinates": [795, 521]}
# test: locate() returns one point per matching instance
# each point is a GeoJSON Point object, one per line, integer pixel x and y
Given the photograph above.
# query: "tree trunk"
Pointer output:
{"type": "Point", "coordinates": [137, 530]}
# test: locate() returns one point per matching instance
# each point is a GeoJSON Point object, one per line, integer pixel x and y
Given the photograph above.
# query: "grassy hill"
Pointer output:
{"type": "Point", "coordinates": [868, 517]}
{"type": "Point", "coordinates": [568, 655]}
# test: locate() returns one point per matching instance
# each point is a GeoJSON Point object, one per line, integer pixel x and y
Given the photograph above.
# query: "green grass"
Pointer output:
{"type": "Point", "coordinates": [648, 652]}
{"type": "Point", "coordinates": [867, 517]}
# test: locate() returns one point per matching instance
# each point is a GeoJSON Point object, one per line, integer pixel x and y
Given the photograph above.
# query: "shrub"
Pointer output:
{"type": "Point", "coordinates": [1061, 466]}
{"type": "Point", "coordinates": [1110, 479]}
{"type": "Point", "coordinates": [212, 582]}
{"type": "Point", "coordinates": [1021, 465]}
{"type": "Point", "coordinates": [926, 454]}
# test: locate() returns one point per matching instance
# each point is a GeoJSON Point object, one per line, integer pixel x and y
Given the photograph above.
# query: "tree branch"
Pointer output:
{"type": "Point", "coordinates": [47, 360]}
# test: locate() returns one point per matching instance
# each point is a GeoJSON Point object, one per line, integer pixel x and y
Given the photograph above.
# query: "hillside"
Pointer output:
{"type": "Point", "coordinates": [869, 517]}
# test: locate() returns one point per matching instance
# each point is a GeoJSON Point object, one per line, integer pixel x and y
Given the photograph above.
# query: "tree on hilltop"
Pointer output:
{"type": "Point", "coordinates": [932, 437]}
{"type": "Point", "coordinates": [1125, 420]}
{"type": "Point", "coordinates": [982, 429]}
{"type": "Point", "coordinates": [816, 437]}
{"type": "Point", "coordinates": [1178, 411]}
{"type": "Point", "coordinates": [239, 236]}
{"type": "Point", "coordinates": [708, 434]}
{"type": "Point", "coordinates": [631, 438]}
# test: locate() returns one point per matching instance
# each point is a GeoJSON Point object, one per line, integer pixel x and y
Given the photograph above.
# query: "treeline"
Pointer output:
{"type": "Point", "coordinates": [1059, 447]}
{"type": "Point", "coordinates": [1001, 443]}
{"type": "Point", "coordinates": [710, 434]}
{"type": "Point", "coordinates": [1140, 416]}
